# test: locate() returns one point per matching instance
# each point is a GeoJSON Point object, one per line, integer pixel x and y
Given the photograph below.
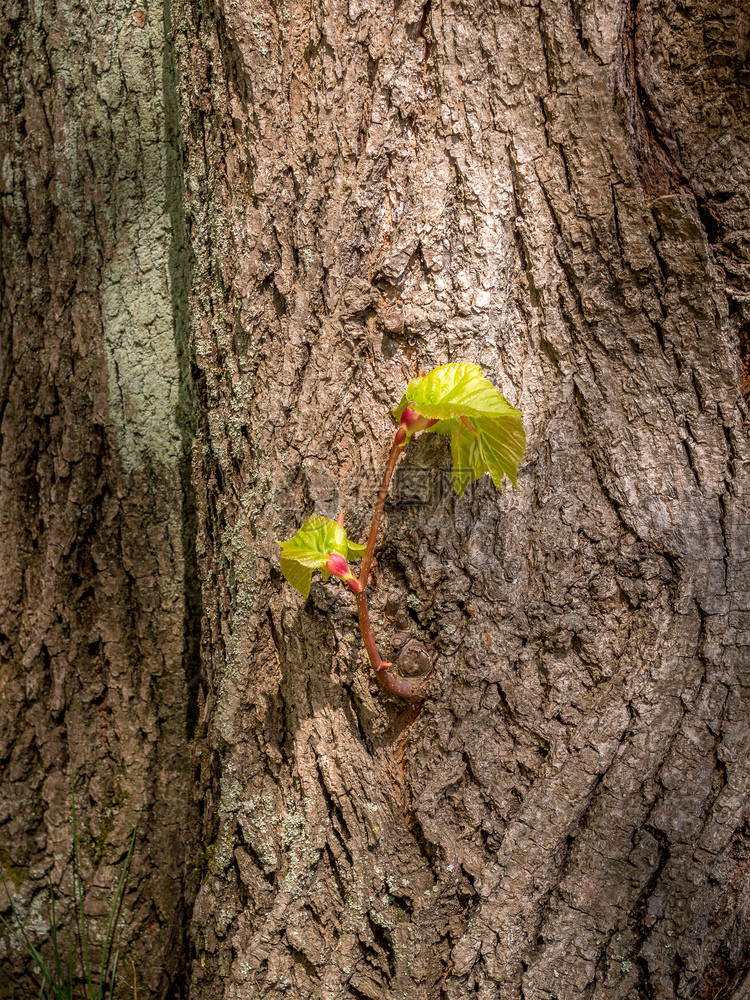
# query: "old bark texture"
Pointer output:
{"type": "Point", "coordinates": [559, 192]}
{"type": "Point", "coordinates": [95, 510]}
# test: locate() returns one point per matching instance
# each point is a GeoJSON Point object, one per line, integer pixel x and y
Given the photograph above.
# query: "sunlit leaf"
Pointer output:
{"type": "Point", "coordinates": [486, 432]}
{"type": "Point", "coordinates": [452, 391]}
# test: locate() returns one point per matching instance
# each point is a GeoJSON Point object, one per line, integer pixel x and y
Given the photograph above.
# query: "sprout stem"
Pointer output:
{"type": "Point", "coordinates": [401, 688]}
{"type": "Point", "coordinates": [396, 448]}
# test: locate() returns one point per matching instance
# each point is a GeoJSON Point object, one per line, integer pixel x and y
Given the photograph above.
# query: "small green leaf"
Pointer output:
{"type": "Point", "coordinates": [468, 461]}
{"type": "Point", "coordinates": [452, 391]}
{"type": "Point", "coordinates": [486, 432]}
{"type": "Point", "coordinates": [310, 548]}
{"type": "Point", "coordinates": [299, 576]}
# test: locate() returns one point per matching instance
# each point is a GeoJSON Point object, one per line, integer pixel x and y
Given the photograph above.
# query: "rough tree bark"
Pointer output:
{"type": "Point", "coordinates": [558, 191]}
{"type": "Point", "coordinates": [98, 591]}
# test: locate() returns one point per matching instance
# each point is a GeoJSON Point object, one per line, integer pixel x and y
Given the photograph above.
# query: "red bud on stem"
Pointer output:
{"type": "Point", "coordinates": [412, 422]}
{"type": "Point", "coordinates": [338, 566]}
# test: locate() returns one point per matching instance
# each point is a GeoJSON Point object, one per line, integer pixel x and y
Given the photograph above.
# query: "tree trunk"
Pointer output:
{"type": "Point", "coordinates": [98, 590]}
{"type": "Point", "coordinates": [558, 192]}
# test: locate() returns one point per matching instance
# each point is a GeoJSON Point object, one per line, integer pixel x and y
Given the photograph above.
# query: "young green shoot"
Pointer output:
{"type": "Point", "coordinates": [486, 435]}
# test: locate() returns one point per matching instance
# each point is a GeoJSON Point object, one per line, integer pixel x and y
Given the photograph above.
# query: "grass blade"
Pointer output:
{"type": "Point", "coordinates": [114, 974]}
{"type": "Point", "coordinates": [53, 935]}
{"type": "Point", "coordinates": [114, 914]}
{"type": "Point", "coordinates": [60, 978]}
{"type": "Point", "coordinates": [21, 936]}
{"type": "Point", "coordinates": [83, 943]}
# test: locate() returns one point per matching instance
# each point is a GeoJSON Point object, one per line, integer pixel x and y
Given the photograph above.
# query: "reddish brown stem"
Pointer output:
{"type": "Point", "coordinates": [396, 448]}
{"type": "Point", "coordinates": [386, 679]}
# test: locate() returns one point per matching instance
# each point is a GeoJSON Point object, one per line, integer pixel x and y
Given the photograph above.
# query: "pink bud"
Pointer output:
{"type": "Point", "coordinates": [412, 421]}
{"type": "Point", "coordinates": [338, 566]}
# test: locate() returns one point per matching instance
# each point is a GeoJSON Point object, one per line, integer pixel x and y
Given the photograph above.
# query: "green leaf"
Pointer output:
{"type": "Point", "coordinates": [310, 548]}
{"type": "Point", "coordinates": [453, 391]}
{"type": "Point", "coordinates": [486, 432]}
{"type": "Point", "coordinates": [495, 447]}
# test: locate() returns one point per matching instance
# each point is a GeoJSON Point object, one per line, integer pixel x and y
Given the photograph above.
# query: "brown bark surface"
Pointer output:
{"type": "Point", "coordinates": [559, 192]}
{"type": "Point", "coordinates": [95, 438]}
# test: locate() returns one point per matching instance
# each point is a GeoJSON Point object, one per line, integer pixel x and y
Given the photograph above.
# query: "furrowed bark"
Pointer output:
{"type": "Point", "coordinates": [98, 613]}
{"type": "Point", "coordinates": [557, 192]}
{"type": "Point", "coordinates": [560, 194]}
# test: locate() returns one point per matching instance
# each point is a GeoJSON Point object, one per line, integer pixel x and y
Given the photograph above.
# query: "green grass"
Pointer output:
{"type": "Point", "coordinates": [70, 972]}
